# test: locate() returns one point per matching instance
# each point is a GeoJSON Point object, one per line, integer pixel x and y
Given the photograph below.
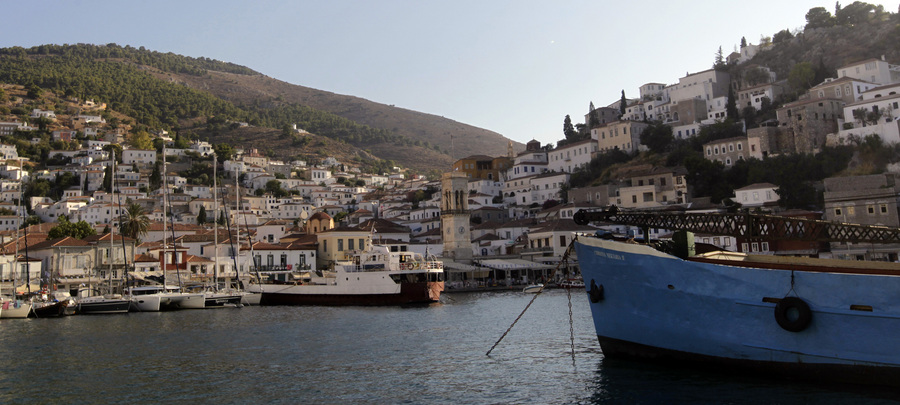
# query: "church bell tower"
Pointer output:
{"type": "Point", "coordinates": [455, 216]}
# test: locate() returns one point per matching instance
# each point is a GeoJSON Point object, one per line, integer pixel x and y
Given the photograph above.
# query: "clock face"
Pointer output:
{"type": "Point", "coordinates": [461, 229]}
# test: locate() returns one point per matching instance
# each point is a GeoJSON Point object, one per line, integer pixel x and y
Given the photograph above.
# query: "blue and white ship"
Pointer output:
{"type": "Point", "coordinates": [798, 318]}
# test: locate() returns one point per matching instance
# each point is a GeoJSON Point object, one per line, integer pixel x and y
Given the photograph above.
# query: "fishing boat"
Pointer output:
{"type": "Point", "coordinates": [374, 277]}
{"type": "Point", "coordinates": [790, 317]}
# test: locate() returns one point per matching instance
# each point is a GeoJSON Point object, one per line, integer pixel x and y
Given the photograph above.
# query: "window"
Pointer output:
{"type": "Point", "coordinates": [634, 199]}
{"type": "Point", "coordinates": [754, 246]}
{"type": "Point", "coordinates": [870, 209]}
{"type": "Point", "coordinates": [562, 240]}
{"type": "Point", "coordinates": [325, 245]}
{"type": "Point", "coordinates": [837, 212]}
{"type": "Point", "coordinates": [745, 247]}
{"type": "Point", "coordinates": [765, 246]}
{"type": "Point", "coordinates": [648, 197]}
{"type": "Point", "coordinates": [739, 147]}
{"type": "Point", "coordinates": [883, 208]}
{"type": "Point", "coordinates": [350, 243]}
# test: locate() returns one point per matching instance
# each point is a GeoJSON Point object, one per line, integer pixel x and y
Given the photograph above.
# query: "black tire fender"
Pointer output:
{"type": "Point", "coordinates": [793, 314]}
{"type": "Point", "coordinates": [596, 292]}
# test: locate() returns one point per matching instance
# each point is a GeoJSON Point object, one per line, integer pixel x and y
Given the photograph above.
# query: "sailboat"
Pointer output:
{"type": "Point", "coordinates": [164, 297]}
{"type": "Point", "coordinates": [88, 302]}
{"type": "Point", "coordinates": [216, 298]}
{"type": "Point", "coordinates": [13, 307]}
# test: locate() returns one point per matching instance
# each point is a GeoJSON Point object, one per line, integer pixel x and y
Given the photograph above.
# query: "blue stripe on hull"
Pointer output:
{"type": "Point", "coordinates": [714, 311]}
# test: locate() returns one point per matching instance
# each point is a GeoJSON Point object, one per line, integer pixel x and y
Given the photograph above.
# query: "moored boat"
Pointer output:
{"type": "Point", "coordinates": [53, 308]}
{"type": "Point", "coordinates": [222, 299]}
{"type": "Point", "coordinates": [533, 289]}
{"type": "Point", "coordinates": [15, 308]}
{"type": "Point", "coordinates": [800, 318]}
{"type": "Point", "coordinates": [112, 304]}
{"type": "Point", "coordinates": [374, 277]}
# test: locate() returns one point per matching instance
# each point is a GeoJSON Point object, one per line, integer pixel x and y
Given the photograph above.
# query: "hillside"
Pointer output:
{"type": "Point", "coordinates": [185, 94]}
{"type": "Point", "coordinates": [258, 89]}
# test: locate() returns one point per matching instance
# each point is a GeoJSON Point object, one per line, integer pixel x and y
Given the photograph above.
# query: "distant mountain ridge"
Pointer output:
{"type": "Point", "coordinates": [189, 90]}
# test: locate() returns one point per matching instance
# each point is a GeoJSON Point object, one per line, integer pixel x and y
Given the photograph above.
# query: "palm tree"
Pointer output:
{"type": "Point", "coordinates": [134, 223]}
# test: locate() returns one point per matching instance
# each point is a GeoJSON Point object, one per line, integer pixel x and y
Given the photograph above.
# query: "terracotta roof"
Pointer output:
{"type": "Point", "coordinates": [68, 241]}
{"type": "Point", "coordinates": [143, 258]}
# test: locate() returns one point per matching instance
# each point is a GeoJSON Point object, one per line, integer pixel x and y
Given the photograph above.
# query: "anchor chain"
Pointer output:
{"type": "Point", "coordinates": [565, 260]}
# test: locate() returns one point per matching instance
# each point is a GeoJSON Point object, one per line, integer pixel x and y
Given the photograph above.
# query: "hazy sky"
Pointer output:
{"type": "Point", "coordinates": [516, 68]}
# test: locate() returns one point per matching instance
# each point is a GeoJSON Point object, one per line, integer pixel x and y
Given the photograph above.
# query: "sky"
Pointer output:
{"type": "Point", "coordinates": [516, 68]}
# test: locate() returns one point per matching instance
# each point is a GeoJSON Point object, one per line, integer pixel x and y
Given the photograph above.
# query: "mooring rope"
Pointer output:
{"type": "Point", "coordinates": [565, 259]}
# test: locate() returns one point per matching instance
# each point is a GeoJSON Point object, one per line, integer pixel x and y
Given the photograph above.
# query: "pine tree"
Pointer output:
{"type": "Point", "coordinates": [107, 179]}
{"type": "Point", "coordinates": [201, 216]}
{"type": "Point", "coordinates": [622, 104]}
{"type": "Point", "coordinates": [569, 129]}
{"type": "Point", "coordinates": [731, 105]}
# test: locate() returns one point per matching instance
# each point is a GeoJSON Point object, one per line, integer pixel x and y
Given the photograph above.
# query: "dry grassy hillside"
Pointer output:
{"type": "Point", "coordinates": [244, 89]}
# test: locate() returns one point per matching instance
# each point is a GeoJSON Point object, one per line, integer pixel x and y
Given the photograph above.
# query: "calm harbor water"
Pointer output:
{"type": "Point", "coordinates": [416, 355]}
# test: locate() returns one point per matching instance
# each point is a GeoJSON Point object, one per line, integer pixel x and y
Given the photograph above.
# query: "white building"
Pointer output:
{"type": "Point", "coordinates": [756, 195]}
{"type": "Point", "coordinates": [872, 70]}
{"type": "Point", "coordinates": [570, 157]}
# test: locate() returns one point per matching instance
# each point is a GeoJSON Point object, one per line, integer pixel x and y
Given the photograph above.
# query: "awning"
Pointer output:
{"type": "Point", "coordinates": [514, 264]}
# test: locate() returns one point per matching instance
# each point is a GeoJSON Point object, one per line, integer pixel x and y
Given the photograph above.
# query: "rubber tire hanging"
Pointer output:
{"type": "Point", "coordinates": [790, 324]}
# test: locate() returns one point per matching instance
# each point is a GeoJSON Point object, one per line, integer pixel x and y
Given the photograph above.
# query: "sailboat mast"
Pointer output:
{"type": "Point", "coordinates": [165, 205]}
{"type": "Point", "coordinates": [112, 190]}
{"type": "Point", "coordinates": [19, 216]}
{"type": "Point", "coordinates": [215, 223]}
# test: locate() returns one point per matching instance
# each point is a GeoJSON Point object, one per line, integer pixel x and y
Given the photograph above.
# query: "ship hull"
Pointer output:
{"type": "Point", "coordinates": [105, 306]}
{"type": "Point", "coordinates": [656, 306]}
{"type": "Point", "coordinates": [406, 294]}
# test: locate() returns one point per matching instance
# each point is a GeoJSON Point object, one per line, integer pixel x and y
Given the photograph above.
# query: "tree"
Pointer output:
{"type": "Point", "coordinates": [569, 129]}
{"type": "Point", "coordinates": [857, 12]}
{"type": "Point", "coordinates": [743, 42]}
{"type": "Point", "coordinates": [801, 77]}
{"type": "Point", "coordinates": [731, 104]}
{"type": "Point", "coordinates": [141, 140]}
{"type": "Point", "coordinates": [819, 17]}
{"type": "Point", "coordinates": [657, 137]}
{"type": "Point", "coordinates": [720, 59]}
{"type": "Point", "coordinates": [782, 36]}
{"type": "Point", "coordinates": [155, 177]}
{"type": "Point", "coordinates": [749, 116]}
{"type": "Point", "coordinates": [201, 216]}
{"type": "Point", "coordinates": [223, 151]}
{"type": "Point", "coordinates": [77, 230]}
{"type": "Point", "coordinates": [107, 179]}
{"type": "Point", "coordinates": [134, 222]}
{"type": "Point", "coordinates": [623, 102]}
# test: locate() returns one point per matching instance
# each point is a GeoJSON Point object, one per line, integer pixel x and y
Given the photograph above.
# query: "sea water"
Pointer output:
{"type": "Point", "coordinates": [415, 355]}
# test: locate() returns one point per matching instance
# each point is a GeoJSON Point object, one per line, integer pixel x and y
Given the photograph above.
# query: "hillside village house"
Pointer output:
{"type": "Point", "coordinates": [757, 195]}
{"type": "Point", "coordinates": [727, 151]}
{"type": "Point", "coordinates": [654, 187]}
{"type": "Point", "coordinates": [572, 156]}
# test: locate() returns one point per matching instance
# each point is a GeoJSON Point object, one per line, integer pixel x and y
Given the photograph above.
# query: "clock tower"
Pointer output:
{"type": "Point", "coordinates": [455, 216]}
